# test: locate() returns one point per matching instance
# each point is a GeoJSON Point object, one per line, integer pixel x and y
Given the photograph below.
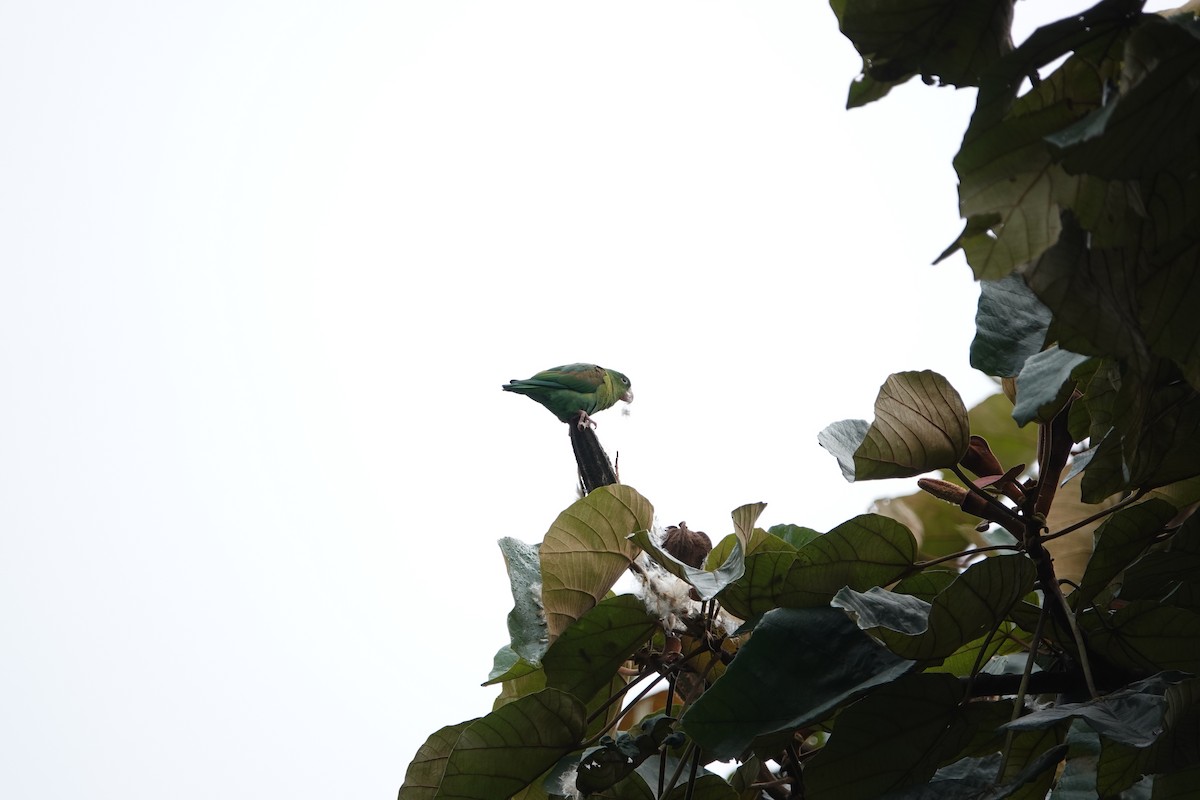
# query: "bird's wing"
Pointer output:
{"type": "Point", "coordinates": [583, 378]}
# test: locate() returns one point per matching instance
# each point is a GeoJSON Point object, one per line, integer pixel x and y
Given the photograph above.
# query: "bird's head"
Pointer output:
{"type": "Point", "coordinates": [621, 384]}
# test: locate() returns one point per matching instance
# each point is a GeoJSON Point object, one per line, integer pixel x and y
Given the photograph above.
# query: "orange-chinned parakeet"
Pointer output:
{"type": "Point", "coordinates": [574, 391]}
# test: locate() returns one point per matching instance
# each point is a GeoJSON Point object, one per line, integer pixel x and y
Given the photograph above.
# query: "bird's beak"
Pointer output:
{"type": "Point", "coordinates": [627, 397]}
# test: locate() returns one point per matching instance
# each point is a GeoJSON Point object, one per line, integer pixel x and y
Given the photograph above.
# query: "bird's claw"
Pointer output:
{"type": "Point", "coordinates": [585, 421]}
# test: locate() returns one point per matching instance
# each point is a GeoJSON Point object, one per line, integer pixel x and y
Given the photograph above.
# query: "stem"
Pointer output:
{"type": "Point", "coordinates": [991, 501]}
{"type": "Point", "coordinates": [678, 769]}
{"type": "Point", "coordinates": [1138, 495]}
{"type": "Point", "coordinates": [1019, 700]}
{"type": "Point", "coordinates": [920, 565]}
{"type": "Point", "coordinates": [600, 734]}
{"type": "Point", "coordinates": [692, 775]}
{"type": "Point", "coordinates": [662, 760]}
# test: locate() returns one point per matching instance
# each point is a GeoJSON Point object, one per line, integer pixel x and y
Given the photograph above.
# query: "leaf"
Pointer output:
{"type": "Point", "coordinates": [768, 560]}
{"type": "Point", "coordinates": [938, 527]}
{"type": "Point", "coordinates": [1120, 539]}
{"type": "Point", "coordinates": [1147, 636]}
{"type": "Point", "coordinates": [842, 439]}
{"type": "Point", "coordinates": [1044, 385]}
{"type": "Point", "coordinates": [1151, 120]}
{"type": "Point", "coordinates": [507, 665]}
{"type": "Point", "coordinates": [892, 738]}
{"type": "Point", "coordinates": [795, 535]}
{"type": "Point", "coordinates": [973, 604]}
{"type": "Point", "coordinates": [966, 778]}
{"type": "Point", "coordinates": [587, 654]}
{"type": "Point", "coordinates": [709, 582]}
{"type": "Point", "coordinates": [429, 764]}
{"type": "Point", "coordinates": [586, 550]}
{"type": "Point", "coordinates": [1132, 716]}
{"type": "Point", "coordinates": [1179, 744]}
{"type": "Point", "coordinates": [920, 425]}
{"type": "Point", "coordinates": [1006, 169]}
{"type": "Point", "coordinates": [503, 752]}
{"type": "Point", "coordinates": [526, 622]}
{"type": "Point", "coordinates": [952, 41]}
{"type": "Point", "coordinates": [1010, 326]}
{"type": "Point", "coordinates": [604, 766]}
{"type": "Point", "coordinates": [868, 550]}
{"type": "Point", "coordinates": [1078, 781]}
{"type": "Point", "coordinates": [797, 667]}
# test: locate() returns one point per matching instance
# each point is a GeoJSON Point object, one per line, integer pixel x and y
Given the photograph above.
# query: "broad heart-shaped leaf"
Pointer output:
{"type": "Point", "coordinates": [1179, 744]}
{"type": "Point", "coordinates": [587, 654]}
{"type": "Point", "coordinates": [1042, 386]}
{"type": "Point", "coordinates": [920, 425]}
{"type": "Point", "coordinates": [709, 582]}
{"type": "Point", "coordinates": [1146, 636]}
{"type": "Point", "coordinates": [500, 754]}
{"type": "Point", "coordinates": [974, 603]}
{"type": "Point", "coordinates": [951, 41]}
{"type": "Point", "coordinates": [507, 666]}
{"type": "Point", "coordinates": [1148, 124]}
{"type": "Point", "coordinates": [1011, 191]}
{"type": "Point", "coordinates": [1132, 716]}
{"type": "Point", "coordinates": [1119, 540]}
{"type": "Point", "coordinates": [526, 622]}
{"type": "Point", "coordinates": [893, 738]}
{"type": "Point", "coordinates": [868, 550]}
{"type": "Point", "coordinates": [1010, 326]}
{"type": "Point", "coordinates": [768, 560]}
{"type": "Point", "coordinates": [798, 666]}
{"type": "Point", "coordinates": [429, 764]}
{"type": "Point", "coordinates": [587, 549]}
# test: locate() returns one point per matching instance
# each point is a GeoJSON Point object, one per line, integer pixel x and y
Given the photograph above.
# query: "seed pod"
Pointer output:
{"type": "Point", "coordinates": [690, 547]}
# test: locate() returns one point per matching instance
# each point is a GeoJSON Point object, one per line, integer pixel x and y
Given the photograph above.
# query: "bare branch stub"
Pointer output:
{"type": "Point", "coordinates": [595, 470]}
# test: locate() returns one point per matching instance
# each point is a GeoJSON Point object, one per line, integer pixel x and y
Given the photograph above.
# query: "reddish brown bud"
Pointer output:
{"type": "Point", "coordinates": [690, 547]}
{"type": "Point", "coordinates": [980, 460]}
{"type": "Point", "coordinates": [943, 490]}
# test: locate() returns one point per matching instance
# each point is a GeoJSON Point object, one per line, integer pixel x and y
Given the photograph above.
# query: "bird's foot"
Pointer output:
{"type": "Point", "coordinates": [585, 421]}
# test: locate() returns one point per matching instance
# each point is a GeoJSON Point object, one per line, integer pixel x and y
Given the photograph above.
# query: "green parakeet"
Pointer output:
{"type": "Point", "coordinates": [574, 391]}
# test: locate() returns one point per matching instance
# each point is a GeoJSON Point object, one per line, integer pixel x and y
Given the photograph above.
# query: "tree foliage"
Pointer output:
{"type": "Point", "coordinates": [1027, 623]}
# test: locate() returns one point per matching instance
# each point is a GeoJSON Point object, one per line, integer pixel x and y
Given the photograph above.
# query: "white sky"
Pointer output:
{"type": "Point", "coordinates": [263, 268]}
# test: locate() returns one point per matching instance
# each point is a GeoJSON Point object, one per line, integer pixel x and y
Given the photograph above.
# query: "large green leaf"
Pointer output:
{"type": "Point", "coordinates": [1010, 326]}
{"type": "Point", "coordinates": [1150, 122]}
{"type": "Point", "coordinates": [502, 753]}
{"type": "Point", "coordinates": [587, 549]}
{"type": "Point", "coordinates": [1007, 173]}
{"type": "Point", "coordinates": [709, 582]}
{"type": "Point", "coordinates": [1179, 744]}
{"type": "Point", "coordinates": [526, 622]}
{"type": "Point", "coordinates": [798, 666]}
{"type": "Point", "coordinates": [768, 560]}
{"type": "Point", "coordinates": [868, 550]}
{"type": "Point", "coordinates": [1146, 636]}
{"type": "Point", "coordinates": [1045, 384]}
{"type": "Point", "coordinates": [1119, 540]}
{"type": "Point", "coordinates": [1078, 781]}
{"type": "Point", "coordinates": [892, 738]}
{"type": "Point", "coordinates": [952, 41]}
{"type": "Point", "coordinates": [587, 654]}
{"type": "Point", "coordinates": [974, 603]}
{"type": "Point", "coordinates": [425, 772]}
{"type": "Point", "coordinates": [1132, 716]}
{"type": "Point", "coordinates": [920, 425]}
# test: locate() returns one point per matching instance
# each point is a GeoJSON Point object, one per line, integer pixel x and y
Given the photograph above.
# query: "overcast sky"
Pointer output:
{"type": "Point", "coordinates": [263, 268]}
